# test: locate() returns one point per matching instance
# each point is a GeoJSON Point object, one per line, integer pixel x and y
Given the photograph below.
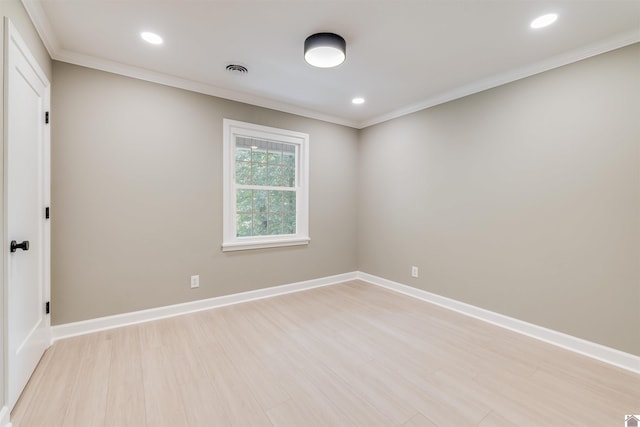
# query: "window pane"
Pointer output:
{"type": "Point", "coordinates": [244, 226]}
{"type": "Point", "coordinates": [259, 174]}
{"type": "Point", "coordinates": [258, 156]}
{"type": "Point", "coordinates": [275, 176]}
{"type": "Point", "coordinates": [289, 201]}
{"type": "Point", "coordinates": [244, 201]}
{"type": "Point", "coordinates": [288, 158]}
{"type": "Point", "coordinates": [275, 224]}
{"type": "Point", "coordinates": [259, 201]}
{"type": "Point", "coordinates": [259, 225]}
{"type": "Point", "coordinates": [274, 158]}
{"type": "Point", "coordinates": [243, 153]}
{"type": "Point", "coordinates": [289, 177]}
{"type": "Point", "coordinates": [243, 173]}
{"type": "Point", "coordinates": [275, 201]}
{"type": "Point", "coordinates": [289, 223]}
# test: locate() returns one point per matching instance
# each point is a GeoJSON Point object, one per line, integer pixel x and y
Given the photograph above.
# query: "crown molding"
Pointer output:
{"type": "Point", "coordinates": [606, 45]}
{"type": "Point", "coordinates": [193, 86]}
{"type": "Point", "coordinates": [43, 27]}
{"type": "Point", "coordinates": [58, 53]}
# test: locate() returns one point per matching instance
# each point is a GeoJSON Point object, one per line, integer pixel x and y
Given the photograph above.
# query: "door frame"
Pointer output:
{"type": "Point", "coordinates": [11, 35]}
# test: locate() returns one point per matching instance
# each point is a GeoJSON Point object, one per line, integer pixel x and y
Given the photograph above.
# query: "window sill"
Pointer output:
{"type": "Point", "coordinates": [264, 243]}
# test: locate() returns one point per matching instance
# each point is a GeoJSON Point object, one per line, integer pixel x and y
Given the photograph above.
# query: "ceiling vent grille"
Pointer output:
{"type": "Point", "coordinates": [237, 68]}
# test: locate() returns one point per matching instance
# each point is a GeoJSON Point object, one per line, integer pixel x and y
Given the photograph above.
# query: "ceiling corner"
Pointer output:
{"type": "Point", "coordinates": [615, 42]}
{"type": "Point", "coordinates": [43, 27]}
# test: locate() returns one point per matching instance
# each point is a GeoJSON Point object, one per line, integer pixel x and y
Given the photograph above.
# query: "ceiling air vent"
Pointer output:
{"type": "Point", "coordinates": [237, 69]}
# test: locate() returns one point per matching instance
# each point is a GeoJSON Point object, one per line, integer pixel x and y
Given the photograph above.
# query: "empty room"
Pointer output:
{"type": "Point", "coordinates": [320, 213]}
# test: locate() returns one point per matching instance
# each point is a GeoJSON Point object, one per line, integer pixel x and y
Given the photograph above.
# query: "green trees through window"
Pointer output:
{"type": "Point", "coordinates": [265, 175]}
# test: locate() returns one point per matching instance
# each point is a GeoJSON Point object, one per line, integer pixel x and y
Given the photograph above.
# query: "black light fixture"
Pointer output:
{"type": "Point", "coordinates": [325, 50]}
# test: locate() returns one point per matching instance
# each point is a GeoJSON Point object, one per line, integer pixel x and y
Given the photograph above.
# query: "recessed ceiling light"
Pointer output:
{"type": "Point", "coordinates": [544, 20]}
{"type": "Point", "coordinates": [152, 38]}
{"type": "Point", "coordinates": [357, 101]}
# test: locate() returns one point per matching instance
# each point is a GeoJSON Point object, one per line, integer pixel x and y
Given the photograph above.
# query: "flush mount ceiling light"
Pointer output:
{"type": "Point", "coordinates": [325, 50]}
{"type": "Point", "coordinates": [544, 20]}
{"type": "Point", "coordinates": [152, 38]}
{"type": "Point", "coordinates": [357, 101]}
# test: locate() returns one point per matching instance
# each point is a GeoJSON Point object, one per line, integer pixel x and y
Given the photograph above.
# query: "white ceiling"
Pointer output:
{"type": "Point", "coordinates": [402, 55]}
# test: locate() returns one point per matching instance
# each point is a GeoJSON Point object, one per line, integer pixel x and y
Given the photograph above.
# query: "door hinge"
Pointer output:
{"type": "Point", "coordinates": [47, 307]}
{"type": "Point", "coordinates": [46, 212]}
{"type": "Point", "coordinates": [46, 118]}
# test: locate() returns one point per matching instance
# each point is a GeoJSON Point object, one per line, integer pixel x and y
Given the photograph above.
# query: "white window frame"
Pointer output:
{"type": "Point", "coordinates": [234, 128]}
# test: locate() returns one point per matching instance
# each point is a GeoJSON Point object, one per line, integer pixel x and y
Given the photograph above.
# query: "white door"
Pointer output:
{"type": "Point", "coordinates": [27, 192]}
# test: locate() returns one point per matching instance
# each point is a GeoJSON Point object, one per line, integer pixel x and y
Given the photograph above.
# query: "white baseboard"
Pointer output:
{"type": "Point", "coordinates": [103, 323]}
{"type": "Point", "coordinates": [4, 417]}
{"type": "Point", "coordinates": [600, 352]}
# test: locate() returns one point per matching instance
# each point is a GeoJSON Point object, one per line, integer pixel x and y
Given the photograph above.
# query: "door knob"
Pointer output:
{"type": "Point", "coordinates": [15, 246]}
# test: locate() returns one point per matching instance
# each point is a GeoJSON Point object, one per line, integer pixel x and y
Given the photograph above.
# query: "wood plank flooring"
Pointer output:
{"type": "Point", "coordinates": [346, 355]}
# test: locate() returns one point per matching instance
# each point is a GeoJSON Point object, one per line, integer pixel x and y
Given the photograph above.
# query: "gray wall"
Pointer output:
{"type": "Point", "coordinates": [137, 197]}
{"type": "Point", "coordinates": [524, 199]}
{"type": "Point", "coordinates": [14, 10]}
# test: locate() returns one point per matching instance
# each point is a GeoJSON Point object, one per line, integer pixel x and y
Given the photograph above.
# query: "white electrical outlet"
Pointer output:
{"type": "Point", "coordinates": [414, 272]}
{"type": "Point", "coordinates": [195, 281]}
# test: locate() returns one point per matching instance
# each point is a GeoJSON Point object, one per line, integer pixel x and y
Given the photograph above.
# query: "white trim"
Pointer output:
{"type": "Point", "coordinates": [43, 27]}
{"type": "Point", "coordinates": [265, 243]}
{"type": "Point", "coordinates": [5, 420]}
{"type": "Point", "coordinates": [103, 323]}
{"type": "Point", "coordinates": [590, 349]}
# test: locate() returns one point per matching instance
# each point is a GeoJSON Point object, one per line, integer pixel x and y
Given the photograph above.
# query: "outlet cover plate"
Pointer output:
{"type": "Point", "coordinates": [195, 281]}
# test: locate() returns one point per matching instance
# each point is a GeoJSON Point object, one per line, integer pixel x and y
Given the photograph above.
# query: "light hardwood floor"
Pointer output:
{"type": "Point", "coordinates": [351, 354]}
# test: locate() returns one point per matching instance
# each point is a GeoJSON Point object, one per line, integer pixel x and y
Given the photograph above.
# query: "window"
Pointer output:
{"type": "Point", "coordinates": [266, 185]}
